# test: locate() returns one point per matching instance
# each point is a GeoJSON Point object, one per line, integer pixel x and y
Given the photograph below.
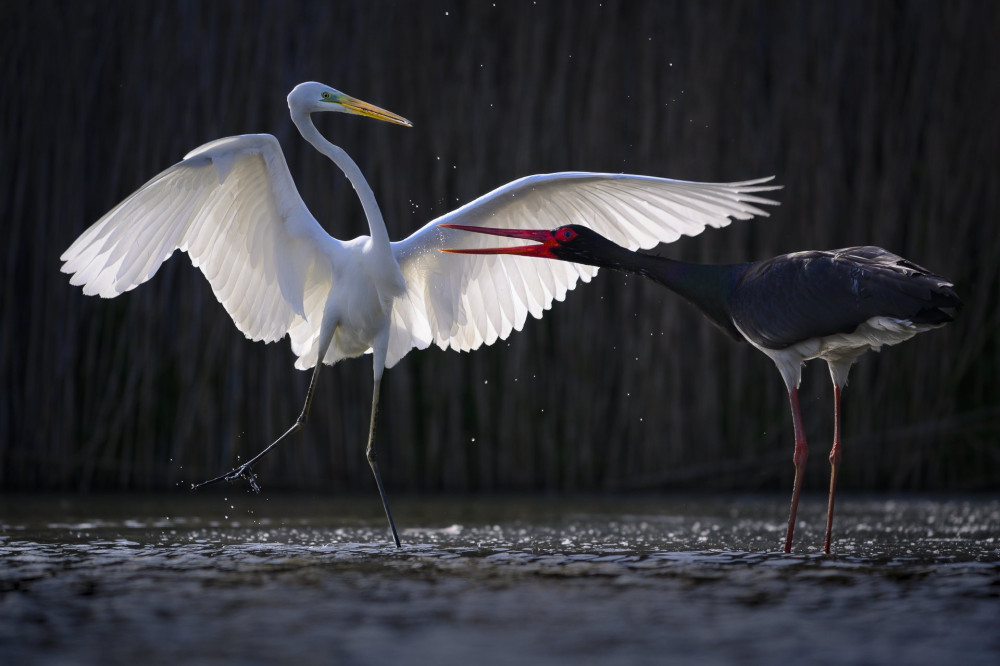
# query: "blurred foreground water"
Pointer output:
{"type": "Point", "coordinates": [231, 578]}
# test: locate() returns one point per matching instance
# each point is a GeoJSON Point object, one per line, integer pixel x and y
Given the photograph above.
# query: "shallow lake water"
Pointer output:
{"type": "Point", "coordinates": [234, 578]}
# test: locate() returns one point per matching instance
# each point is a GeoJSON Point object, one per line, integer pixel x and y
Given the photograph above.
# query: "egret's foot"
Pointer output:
{"type": "Point", "coordinates": [244, 471]}
{"type": "Point", "coordinates": [251, 479]}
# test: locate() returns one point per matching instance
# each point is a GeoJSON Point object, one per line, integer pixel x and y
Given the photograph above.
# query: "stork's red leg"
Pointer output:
{"type": "Point", "coordinates": [799, 458]}
{"type": "Point", "coordinates": [834, 464]}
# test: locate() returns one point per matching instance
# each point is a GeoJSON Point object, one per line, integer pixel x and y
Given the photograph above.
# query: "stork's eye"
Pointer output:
{"type": "Point", "coordinates": [565, 234]}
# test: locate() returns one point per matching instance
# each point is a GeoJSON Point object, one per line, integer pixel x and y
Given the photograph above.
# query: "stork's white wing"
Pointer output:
{"type": "Point", "coordinates": [233, 207]}
{"type": "Point", "coordinates": [462, 301]}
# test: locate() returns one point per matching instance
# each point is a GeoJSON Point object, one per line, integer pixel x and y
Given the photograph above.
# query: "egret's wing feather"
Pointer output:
{"type": "Point", "coordinates": [462, 301]}
{"type": "Point", "coordinates": [233, 207]}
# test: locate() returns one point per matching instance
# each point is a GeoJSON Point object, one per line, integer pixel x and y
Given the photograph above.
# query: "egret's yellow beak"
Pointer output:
{"type": "Point", "coordinates": [356, 106]}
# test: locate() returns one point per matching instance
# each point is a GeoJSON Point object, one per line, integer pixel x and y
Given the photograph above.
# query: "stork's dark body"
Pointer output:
{"type": "Point", "coordinates": [794, 297]}
{"type": "Point", "coordinates": [813, 294]}
{"type": "Point", "coordinates": [829, 304]}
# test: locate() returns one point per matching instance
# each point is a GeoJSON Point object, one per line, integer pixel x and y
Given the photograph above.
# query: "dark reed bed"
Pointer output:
{"type": "Point", "coordinates": [878, 118]}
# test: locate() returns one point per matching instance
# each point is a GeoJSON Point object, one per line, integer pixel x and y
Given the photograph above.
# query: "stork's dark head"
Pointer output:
{"type": "Point", "coordinates": [572, 242]}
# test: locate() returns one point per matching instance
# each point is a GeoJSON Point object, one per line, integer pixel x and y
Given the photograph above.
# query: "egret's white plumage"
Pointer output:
{"type": "Point", "coordinates": [233, 207]}
{"type": "Point", "coordinates": [463, 304]}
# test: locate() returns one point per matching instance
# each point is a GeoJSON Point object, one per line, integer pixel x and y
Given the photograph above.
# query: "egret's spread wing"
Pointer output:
{"type": "Point", "coordinates": [233, 207]}
{"type": "Point", "coordinates": [461, 301]}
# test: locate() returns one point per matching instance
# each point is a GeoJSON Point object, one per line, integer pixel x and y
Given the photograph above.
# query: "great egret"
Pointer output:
{"type": "Point", "coordinates": [233, 207]}
{"type": "Point", "coordinates": [834, 305]}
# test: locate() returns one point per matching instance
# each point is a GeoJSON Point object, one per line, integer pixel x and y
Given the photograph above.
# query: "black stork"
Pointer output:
{"type": "Point", "coordinates": [828, 304]}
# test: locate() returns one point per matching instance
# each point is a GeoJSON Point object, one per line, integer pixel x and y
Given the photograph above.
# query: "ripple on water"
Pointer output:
{"type": "Point", "coordinates": [913, 581]}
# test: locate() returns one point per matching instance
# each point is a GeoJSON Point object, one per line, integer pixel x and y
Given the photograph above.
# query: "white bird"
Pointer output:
{"type": "Point", "coordinates": [233, 207]}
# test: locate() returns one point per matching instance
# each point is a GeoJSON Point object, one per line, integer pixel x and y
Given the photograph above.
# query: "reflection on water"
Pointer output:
{"type": "Point", "coordinates": [596, 580]}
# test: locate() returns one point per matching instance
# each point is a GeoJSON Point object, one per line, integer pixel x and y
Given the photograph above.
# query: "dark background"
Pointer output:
{"type": "Point", "coordinates": [879, 118]}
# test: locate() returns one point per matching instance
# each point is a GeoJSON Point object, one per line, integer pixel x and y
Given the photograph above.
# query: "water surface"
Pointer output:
{"type": "Point", "coordinates": [220, 578]}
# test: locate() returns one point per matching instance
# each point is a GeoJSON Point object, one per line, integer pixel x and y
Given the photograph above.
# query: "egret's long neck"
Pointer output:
{"type": "Point", "coordinates": [340, 157]}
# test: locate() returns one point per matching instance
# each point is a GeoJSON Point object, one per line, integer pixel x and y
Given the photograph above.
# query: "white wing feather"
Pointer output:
{"type": "Point", "coordinates": [464, 301]}
{"type": "Point", "coordinates": [233, 207]}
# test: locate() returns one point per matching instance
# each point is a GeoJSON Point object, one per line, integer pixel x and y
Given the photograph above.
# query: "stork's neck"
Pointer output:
{"type": "Point", "coordinates": [340, 157]}
{"type": "Point", "coordinates": [709, 287]}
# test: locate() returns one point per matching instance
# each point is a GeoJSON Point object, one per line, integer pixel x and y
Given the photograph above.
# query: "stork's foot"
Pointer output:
{"type": "Point", "coordinates": [244, 471]}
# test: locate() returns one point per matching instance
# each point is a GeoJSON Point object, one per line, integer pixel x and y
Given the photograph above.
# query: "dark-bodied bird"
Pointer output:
{"type": "Point", "coordinates": [828, 304]}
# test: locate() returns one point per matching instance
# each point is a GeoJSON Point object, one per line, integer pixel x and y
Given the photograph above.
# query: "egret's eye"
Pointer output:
{"type": "Point", "coordinates": [327, 95]}
{"type": "Point", "coordinates": [565, 234]}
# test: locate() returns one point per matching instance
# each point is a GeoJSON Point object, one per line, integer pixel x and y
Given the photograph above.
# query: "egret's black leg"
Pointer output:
{"type": "Point", "coordinates": [370, 454]}
{"type": "Point", "coordinates": [245, 470]}
{"type": "Point", "coordinates": [799, 458]}
{"type": "Point", "coordinates": [834, 464]}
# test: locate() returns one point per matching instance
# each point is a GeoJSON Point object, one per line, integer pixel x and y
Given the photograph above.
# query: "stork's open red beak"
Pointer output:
{"type": "Point", "coordinates": [544, 237]}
